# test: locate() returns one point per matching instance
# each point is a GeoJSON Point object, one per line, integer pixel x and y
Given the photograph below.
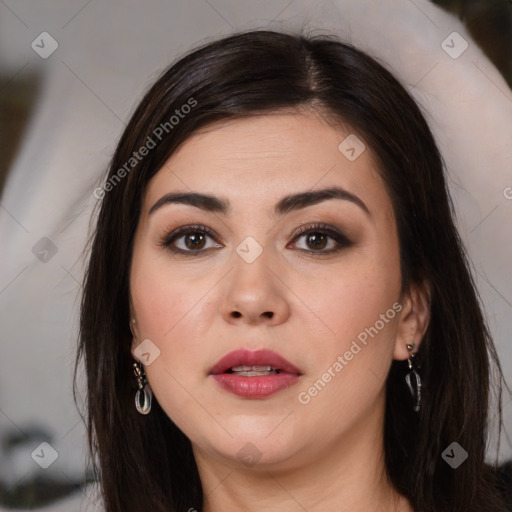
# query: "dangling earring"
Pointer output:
{"type": "Point", "coordinates": [415, 392]}
{"type": "Point", "coordinates": [144, 394]}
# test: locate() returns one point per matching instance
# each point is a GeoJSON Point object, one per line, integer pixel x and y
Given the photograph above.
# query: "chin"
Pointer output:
{"type": "Point", "coordinates": [254, 450]}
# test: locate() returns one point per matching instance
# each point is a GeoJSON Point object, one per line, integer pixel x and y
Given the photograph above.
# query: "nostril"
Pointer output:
{"type": "Point", "coordinates": [268, 314]}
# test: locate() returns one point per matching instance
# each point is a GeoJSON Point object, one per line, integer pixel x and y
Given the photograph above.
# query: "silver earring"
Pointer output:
{"type": "Point", "coordinates": [144, 394]}
{"type": "Point", "coordinates": [415, 391]}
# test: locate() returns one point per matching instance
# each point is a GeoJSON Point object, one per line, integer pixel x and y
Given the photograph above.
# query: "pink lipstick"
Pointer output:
{"type": "Point", "coordinates": [254, 374]}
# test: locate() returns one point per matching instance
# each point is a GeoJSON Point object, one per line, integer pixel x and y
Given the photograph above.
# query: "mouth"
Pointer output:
{"type": "Point", "coordinates": [248, 363]}
{"type": "Point", "coordinates": [254, 374]}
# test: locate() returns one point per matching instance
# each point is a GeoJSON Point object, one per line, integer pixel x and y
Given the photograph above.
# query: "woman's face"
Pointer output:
{"type": "Point", "coordinates": [327, 301]}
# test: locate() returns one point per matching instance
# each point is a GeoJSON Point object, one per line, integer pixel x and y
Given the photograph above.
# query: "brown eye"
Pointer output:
{"type": "Point", "coordinates": [194, 241]}
{"type": "Point", "coordinates": [316, 240]}
{"type": "Point", "coordinates": [319, 236]}
{"type": "Point", "coordinates": [189, 240]}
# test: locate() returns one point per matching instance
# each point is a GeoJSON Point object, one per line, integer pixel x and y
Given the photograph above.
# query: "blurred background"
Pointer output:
{"type": "Point", "coordinates": [72, 72]}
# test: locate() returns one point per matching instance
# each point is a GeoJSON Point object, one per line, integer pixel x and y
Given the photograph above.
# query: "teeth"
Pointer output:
{"type": "Point", "coordinates": [255, 374]}
{"type": "Point", "coordinates": [253, 371]}
{"type": "Point", "coordinates": [244, 368]}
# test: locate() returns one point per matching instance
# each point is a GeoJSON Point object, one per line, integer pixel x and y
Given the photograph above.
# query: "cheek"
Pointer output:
{"type": "Point", "coordinates": [167, 308]}
{"type": "Point", "coordinates": [161, 297]}
{"type": "Point", "coordinates": [163, 305]}
{"type": "Point", "coordinates": [361, 311]}
{"type": "Point", "coordinates": [357, 313]}
{"type": "Point", "coordinates": [354, 295]}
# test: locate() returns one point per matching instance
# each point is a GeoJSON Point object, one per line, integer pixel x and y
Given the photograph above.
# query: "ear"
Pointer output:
{"type": "Point", "coordinates": [414, 319]}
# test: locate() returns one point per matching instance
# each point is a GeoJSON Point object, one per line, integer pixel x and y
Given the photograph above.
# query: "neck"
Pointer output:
{"type": "Point", "coordinates": [347, 475]}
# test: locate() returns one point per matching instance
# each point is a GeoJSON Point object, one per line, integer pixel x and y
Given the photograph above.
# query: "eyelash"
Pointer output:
{"type": "Point", "coordinates": [320, 229]}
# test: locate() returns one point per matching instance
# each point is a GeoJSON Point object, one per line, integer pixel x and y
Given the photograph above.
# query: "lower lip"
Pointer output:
{"type": "Point", "coordinates": [255, 387]}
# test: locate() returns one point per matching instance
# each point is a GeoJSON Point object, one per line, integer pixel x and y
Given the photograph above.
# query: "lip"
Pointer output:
{"type": "Point", "coordinates": [254, 358]}
{"type": "Point", "coordinates": [255, 387]}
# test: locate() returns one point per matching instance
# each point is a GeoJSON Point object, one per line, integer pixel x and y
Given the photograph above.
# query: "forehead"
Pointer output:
{"type": "Point", "coordinates": [258, 157]}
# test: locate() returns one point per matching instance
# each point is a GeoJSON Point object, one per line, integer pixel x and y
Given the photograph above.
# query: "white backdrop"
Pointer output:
{"type": "Point", "coordinates": [107, 55]}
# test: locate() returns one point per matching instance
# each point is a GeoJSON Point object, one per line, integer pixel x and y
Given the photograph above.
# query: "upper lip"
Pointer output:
{"type": "Point", "coordinates": [253, 358]}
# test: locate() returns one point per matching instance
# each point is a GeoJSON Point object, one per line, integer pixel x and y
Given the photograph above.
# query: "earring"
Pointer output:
{"type": "Point", "coordinates": [144, 394]}
{"type": "Point", "coordinates": [415, 392]}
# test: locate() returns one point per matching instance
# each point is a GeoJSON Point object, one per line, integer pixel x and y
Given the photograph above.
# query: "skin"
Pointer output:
{"type": "Point", "coordinates": [324, 455]}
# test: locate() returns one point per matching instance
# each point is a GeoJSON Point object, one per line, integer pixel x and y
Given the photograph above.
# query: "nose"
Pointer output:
{"type": "Point", "coordinates": [255, 294]}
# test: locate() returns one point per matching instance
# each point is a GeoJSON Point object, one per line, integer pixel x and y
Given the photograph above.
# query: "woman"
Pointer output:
{"type": "Point", "coordinates": [276, 277]}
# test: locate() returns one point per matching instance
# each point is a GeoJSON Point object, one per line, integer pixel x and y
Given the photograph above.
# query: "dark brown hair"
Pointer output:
{"type": "Point", "coordinates": [146, 462]}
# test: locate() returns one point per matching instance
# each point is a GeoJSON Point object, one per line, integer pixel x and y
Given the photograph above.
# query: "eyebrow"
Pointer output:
{"type": "Point", "coordinates": [287, 204]}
